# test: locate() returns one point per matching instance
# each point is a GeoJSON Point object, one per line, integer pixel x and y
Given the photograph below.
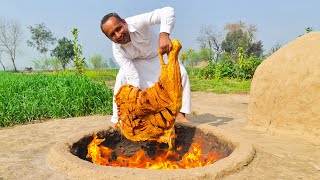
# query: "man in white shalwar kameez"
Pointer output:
{"type": "Point", "coordinates": [135, 49]}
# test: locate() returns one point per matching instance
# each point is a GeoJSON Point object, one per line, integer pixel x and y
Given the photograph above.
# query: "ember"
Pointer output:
{"type": "Point", "coordinates": [193, 149]}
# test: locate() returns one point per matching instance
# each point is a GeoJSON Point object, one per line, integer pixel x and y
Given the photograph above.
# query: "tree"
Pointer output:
{"type": "Point", "coordinates": [239, 35]}
{"type": "Point", "coordinates": [185, 55]}
{"type": "Point", "coordinates": [41, 38]}
{"type": "Point", "coordinates": [10, 37]}
{"type": "Point", "coordinates": [4, 68]}
{"type": "Point", "coordinates": [232, 42]}
{"type": "Point", "coordinates": [79, 62]}
{"type": "Point", "coordinates": [42, 63]}
{"type": "Point", "coordinates": [190, 57]}
{"type": "Point", "coordinates": [63, 51]}
{"type": "Point", "coordinates": [255, 49]}
{"type": "Point", "coordinates": [54, 63]}
{"type": "Point", "coordinates": [205, 54]}
{"type": "Point", "coordinates": [209, 39]}
{"type": "Point", "coordinates": [98, 62]}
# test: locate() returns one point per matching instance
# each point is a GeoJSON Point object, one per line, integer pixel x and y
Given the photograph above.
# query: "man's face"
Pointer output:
{"type": "Point", "coordinates": [116, 30]}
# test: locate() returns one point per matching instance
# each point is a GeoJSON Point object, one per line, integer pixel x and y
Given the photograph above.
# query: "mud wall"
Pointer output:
{"type": "Point", "coordinates": [285, 91]}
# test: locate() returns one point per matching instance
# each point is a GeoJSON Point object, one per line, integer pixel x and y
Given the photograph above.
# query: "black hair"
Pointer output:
{"type": "Point", "coordinates": [106, 17]}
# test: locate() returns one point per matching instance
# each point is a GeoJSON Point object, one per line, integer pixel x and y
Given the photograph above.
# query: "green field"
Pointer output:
{"type": "Point", "coordinates": [222, 86]}
{"type": "Point", "coordinates": [28, 97]}
{"type": "Point", "coordinates": [38, 96]}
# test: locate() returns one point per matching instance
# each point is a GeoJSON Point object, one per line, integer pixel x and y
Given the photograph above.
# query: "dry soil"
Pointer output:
{"type": "Point", "coordinates": [279, 154]}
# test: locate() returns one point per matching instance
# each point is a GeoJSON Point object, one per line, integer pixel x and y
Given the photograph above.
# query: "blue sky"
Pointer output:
{"type": "Point", "coordinates": [278, 21]}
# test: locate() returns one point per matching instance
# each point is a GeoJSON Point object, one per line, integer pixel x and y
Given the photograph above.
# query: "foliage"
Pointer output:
{"type": "Point", "coordinates": [24, 98]}
{"type": "Point", "coordinates": [64, 51]}
{"type": "Point", "coordinates": [79, 62]}
{"type": "Point", "coordinates": [243, 68]}
{"type": "Point", "coordinates": [41, 63]}
{"type": "Point", "coordinates": [218, 70]}
{"type": "Point", "coordinates": [240, 54]}
{"type": "Point", "coordinates": [240, 35]}
{"type": "Point", "coordinates": [246, 66]}
{"type": "Point", "coordinates": [255, 48]}
{"type": "Point", "coordinates": [47, 64]}
{"type": "Point", "coordinates": [10, 37]}
{"type": "Point", "coordinates": [54, 63]}
{"type": "Point", "coordinates": [225, 69]}
{"type": "Point", "coordinates": [185, 55]}
{"type": "Point", "coordinates": [309, 29]}
{"type": "Point", "coordinates": [208, 71]}
{"type": "Point", "coordinates": [190, 57]}
{"type": "Point", "coordinates": [195, 71]}
{"type": "Point", "coordinates": [233, 41]}
{"type": "Point", "coordinates": [98, 62]}
{"type": "Point", "coordinates": [205, 54]}
{"type": "Point", "coordinates": [41, 38]}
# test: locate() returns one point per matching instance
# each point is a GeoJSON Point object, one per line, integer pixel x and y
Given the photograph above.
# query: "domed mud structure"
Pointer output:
{"type": "Point", "coordinates": [285, 90]}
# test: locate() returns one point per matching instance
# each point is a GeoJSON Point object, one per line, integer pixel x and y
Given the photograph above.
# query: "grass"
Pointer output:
{"type": "Point", "coordinates": [24, 98]}
{"type": "Point", "coordinates": [102, 75]}
{"type": "Point", "coordinates": [98, 75]}
{"type": "Point", "coordinates": [222, 86]}
{"type": "Point", "coordinates": [46, 95]}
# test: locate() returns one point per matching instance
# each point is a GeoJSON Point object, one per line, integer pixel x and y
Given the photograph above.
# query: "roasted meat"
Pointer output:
{"type": "Point", "coordinates": [150, 115]}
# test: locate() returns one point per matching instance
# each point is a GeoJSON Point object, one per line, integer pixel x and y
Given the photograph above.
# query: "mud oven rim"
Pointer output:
{"type": "Point", "coordinates": [62, 161]}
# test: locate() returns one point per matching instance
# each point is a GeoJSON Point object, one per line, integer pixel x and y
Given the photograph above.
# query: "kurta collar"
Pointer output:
{"type": "Point", "coordinates": [131, 28]}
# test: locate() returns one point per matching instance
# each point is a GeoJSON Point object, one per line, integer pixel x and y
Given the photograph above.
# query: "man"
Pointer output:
{"type": "Point", "coordinates": [135, 49]}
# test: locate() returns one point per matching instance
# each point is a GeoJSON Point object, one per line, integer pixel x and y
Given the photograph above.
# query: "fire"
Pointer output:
{"type": "Point", "coordinates": [164, 158]}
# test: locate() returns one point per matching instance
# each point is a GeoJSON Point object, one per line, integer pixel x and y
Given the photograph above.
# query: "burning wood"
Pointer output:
{"type": "Point", "coordinates": [164, 158]}
{"type": "Point", "coordinates": [150, 115]}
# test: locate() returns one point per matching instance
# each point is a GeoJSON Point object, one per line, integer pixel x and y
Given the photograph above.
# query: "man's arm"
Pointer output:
{"type": "Point", "coordinates": [165, 17]}
{"type": "Point", "coordinates": [130, 70]}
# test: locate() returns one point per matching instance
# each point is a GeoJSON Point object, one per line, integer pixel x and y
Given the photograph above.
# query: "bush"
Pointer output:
{"type": "Point", "coordinates": [193, 71]}
{"type": "Point", "coordinates": [225, 69]}
{"type": "Point", "coordinates": [208, 71]}
{"type": "Point", "coordinates": [243, 68]}
{"type": "Point", "coordinates": [246, 68]}
{"type": "Point", "coordinates": [24, 98]}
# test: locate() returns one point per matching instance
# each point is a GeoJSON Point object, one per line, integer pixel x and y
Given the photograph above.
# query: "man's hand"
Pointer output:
{"type": "Point", "coordinates": [165, 45]}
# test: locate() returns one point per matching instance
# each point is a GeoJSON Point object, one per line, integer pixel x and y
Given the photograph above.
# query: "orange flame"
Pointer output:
{"type": "Point", "coordinates": [164, 158]}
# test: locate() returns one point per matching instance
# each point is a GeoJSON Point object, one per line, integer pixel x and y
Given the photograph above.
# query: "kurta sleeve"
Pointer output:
{"type": "Point", "coordinates": [127, 66]}
{"type": "Point", "coordinates": [164, 16]}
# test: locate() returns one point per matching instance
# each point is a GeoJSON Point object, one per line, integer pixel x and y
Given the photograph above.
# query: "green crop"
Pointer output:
{"type": "Point", "coordinates": [24, 98]}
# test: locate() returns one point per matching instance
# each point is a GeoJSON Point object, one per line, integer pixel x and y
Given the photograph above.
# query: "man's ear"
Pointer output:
{"type": "Point", "coordinates": [123, 21]}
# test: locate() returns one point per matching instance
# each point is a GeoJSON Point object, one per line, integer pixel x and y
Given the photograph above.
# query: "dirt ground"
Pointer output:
{"type": "Point", "coordinates": [279, 155]}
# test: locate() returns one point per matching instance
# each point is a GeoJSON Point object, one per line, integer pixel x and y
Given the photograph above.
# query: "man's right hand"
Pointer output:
{"type": "Point", "coordinates": [165, 45]}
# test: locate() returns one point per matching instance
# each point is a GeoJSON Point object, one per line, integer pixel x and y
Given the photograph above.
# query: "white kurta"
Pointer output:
{"type": "Point", "coordinates": [138, 59]}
